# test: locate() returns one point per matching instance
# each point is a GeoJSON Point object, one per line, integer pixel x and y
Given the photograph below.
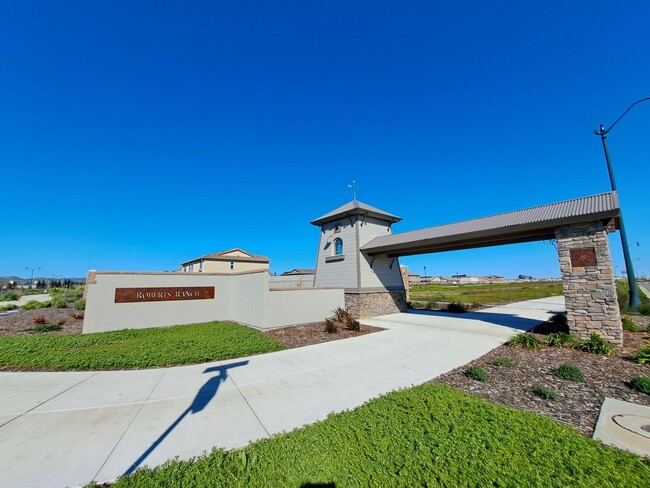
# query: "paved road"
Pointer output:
{"type": "Point", "coordinates": [66, 429]}
{"type": "Point", "coordinates": [26, 298]}
{"type": "Point", "coordinates": [645, 288]}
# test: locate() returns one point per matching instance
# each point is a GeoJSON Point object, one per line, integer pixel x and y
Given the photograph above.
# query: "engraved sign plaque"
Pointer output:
{"type": "Point", "coordinates": [583, 257]}
{"type": "Point", "coordinates": [163, 294]}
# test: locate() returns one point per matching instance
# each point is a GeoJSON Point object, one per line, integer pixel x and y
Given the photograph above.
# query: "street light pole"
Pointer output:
{"type": "Point", "coordinates": [635, 301]}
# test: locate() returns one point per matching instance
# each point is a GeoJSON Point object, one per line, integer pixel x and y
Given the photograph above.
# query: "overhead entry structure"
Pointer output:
{"type": "Point", "coordinates": [580, 226]}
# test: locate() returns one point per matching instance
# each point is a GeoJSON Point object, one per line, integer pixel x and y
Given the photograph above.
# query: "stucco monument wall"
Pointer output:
{"type": "Point", "coordinates": [130, 300]}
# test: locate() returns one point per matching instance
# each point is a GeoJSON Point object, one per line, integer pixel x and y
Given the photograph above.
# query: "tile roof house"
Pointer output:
{"type": "Point", "coordinates": [230, 261]}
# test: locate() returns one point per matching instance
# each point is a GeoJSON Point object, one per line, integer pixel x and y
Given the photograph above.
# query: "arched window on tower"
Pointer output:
{"type": "Point", "coordinates": [338, 246]}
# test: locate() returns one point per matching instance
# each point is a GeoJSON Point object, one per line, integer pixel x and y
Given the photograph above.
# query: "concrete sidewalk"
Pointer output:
{"type": "Point", "coordinates": [67, 429]}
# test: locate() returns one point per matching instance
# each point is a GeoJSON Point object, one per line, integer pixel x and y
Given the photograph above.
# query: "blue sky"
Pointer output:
{"type": "Point", "coordinates": [134, 136]}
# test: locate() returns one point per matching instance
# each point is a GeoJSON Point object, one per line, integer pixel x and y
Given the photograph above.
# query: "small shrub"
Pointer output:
{"type": "Point", "coordinates": [560, 339]}
{"type": "Point", "coordinates": [8, 297]}
{"type": "Point", "coordinates": [644, 309]}
{"type": "Point", "coordinates": [77, 315]}
{"type": "Point", "coordinates": [569, 372]}
{"type": "Point", "coordinates": [629, 325]}
{"type": "Point", "coordinates": [455, 307]}
{"type": "Point", "coordinates": [526, 340]}
{"type": "Point", "coordinates": [476, 373]}
{"type": "Point", "coordinates": [544, 392]}
{"type": "Point", "coordinates": [642, 355]}
{"type": "Point", "coordinates": [331, 326]}
{"type": "Point", "coordinates": [45, 328]}
{"type": "Point", "coordinates": [6, 308]}
{"type": "Point", "coordinates": [642, 384]}
{"type": "Point", "coordinates": [560, 323]}
{"type": "Point", "coordinates": [431, 305]}
{"type": "Point", "coordinates": [39, 319]}
{"type": "Point", "coordinates": [504, 362]}
{"type": "Point", "coordinates": [595, 345]}
{"type": "Point", "coordinates": [33, 305]}
{"type": "Point", "coordinates": [340, 315]}
{"type": "Point", "coordinates": [476, 305]}
{"type": "Point", "coordinates": [61, 322]}
{"type": "Point", "coordinates": [344, 318]}
{"type": "Point", "coordinates": [80, 304]}
{"type": "Point", "coordinates": [59, 303]}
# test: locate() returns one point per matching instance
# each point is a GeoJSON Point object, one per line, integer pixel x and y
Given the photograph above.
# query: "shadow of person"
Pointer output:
{"type": "Point", "coordinates": [203, 397]}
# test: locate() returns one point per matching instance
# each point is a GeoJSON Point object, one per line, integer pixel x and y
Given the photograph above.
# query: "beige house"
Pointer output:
{"type": "Point", "coordinates": [230, 261]}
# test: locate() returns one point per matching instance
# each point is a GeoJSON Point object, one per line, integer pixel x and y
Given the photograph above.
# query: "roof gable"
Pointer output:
{"type": "Point", "coordinates": [234, 254]}
{"type": "Point", "coordinates": [355, 207]}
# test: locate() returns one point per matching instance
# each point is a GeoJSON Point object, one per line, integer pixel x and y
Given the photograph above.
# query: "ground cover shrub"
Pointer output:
{"type": "Point", "coordinates": [569, 372]}
{"type": "Point", "coordinates": [8, 297]}
{"type": "Point", "coordinates": [6, 308]}
{"type": "Point", "coordinates": [430, 435]}
{"type": "Point", "coordinates": [642, 384]}
{"type": "Point", "coordinates": [643, 309]}
{"type": "Point", "coordinates": [431, 305]}
{"type": "Point", "coordinates": [629, 325]}
{"type": "Point", "coordinates": [524, 339]}
{"type": "Point", "coordinates": [455, 307]}
{"type": "Point", "coordinates": [39, 319]}
{"type": "Point", "coordinates": [45, 328]}
{"type": "Point", "coordinates": [642, 355]}
{"type": "Point", "coordinates": [544, 392]}
{"type": "Point", "coordinates": [560, 339]}
{"type": "Point", "coordinates": [476, 373]}
{"type": "Point", "coordinates": [560, 323]}
{"type": "Point", "coordinates": [504, 362]}
{"type": "Point", "coordinates": [77, 315]}
{"type": "Point", "coordinates": [79, 304]}
{"type": "Point", "coordinates": [331, 326]}
{"type": "Point", "coordinates": [595, 345]}
{"type": "Point", "coordinates": [33, 305]}
{"type": "Point", "coordinates": [135, 348]}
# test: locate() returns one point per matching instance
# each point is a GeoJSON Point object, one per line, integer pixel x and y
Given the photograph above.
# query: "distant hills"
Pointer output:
{"type": "Point", "coordinates": [24, 281]}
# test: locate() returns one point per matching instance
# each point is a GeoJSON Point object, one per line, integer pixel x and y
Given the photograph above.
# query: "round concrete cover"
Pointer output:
{"type": "Point", "coordinates": [636, 424]}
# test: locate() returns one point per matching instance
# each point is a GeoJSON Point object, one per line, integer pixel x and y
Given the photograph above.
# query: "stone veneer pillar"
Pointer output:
{"type": "Point", "coordinates": [91, 279]}
{"type": "Point", "coordinates": [368, 303]}
{"type": "Point", "coordinates": [589, 290]}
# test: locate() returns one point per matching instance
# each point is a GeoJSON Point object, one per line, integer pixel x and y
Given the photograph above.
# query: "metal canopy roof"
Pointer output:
{"type": "Point", "coordinates": [531, 224]}
{"type": "Point", "coordinates": [355, 207]}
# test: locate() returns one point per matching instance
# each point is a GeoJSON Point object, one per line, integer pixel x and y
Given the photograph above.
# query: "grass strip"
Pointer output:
{"type": "Point", "coordinates": [130, 348]}
{"type": "Point", "coordinates": [430, 435]}
{"type": "Point", "coordinates": [491, 293]}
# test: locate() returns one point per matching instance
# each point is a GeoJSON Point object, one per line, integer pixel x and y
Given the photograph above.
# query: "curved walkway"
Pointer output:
{"type": "Point", "coordinates": [69, 428]}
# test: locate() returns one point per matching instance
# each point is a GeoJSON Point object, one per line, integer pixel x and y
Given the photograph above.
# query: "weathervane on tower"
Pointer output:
{"type": "Point", "coordinates": [354, 189]}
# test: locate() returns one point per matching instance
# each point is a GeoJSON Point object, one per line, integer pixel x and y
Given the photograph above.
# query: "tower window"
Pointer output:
{"type": "Point", "coordinates": [338, 246]}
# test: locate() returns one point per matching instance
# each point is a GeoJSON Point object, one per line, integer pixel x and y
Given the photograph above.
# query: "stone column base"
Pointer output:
{"type": "Point", "coordinates": [365, 304]}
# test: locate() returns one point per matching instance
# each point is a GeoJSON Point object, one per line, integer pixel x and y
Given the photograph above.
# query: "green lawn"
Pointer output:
{"type": "Point", "coordinates": [494, 293]}
{"type": "Point", "coordinates": [430, 435]}
{"type": "Point", "coordinates": [126, 349]}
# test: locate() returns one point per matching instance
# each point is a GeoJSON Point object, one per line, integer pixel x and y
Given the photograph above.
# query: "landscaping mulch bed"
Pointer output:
{"type": "Point", "coordinates": [16, 323]}
{"type": "Point", "coordinates": [314, 333]}
{"type": "Point", "coordinates": [577, 404]}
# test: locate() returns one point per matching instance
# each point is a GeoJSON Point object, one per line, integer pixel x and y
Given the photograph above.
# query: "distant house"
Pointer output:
{"type": "Point", "coordinates": [299, 272]}
{"type": "Point", "coordinates": [231, 261]}
{"type": "Point", "coordinates": [414, 278]}
{"type": "Point", "coordinates": [465, 279]}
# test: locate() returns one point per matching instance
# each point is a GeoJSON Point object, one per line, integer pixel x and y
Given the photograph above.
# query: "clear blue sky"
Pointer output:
{"type": "Point", "coordinates": [135, 135]}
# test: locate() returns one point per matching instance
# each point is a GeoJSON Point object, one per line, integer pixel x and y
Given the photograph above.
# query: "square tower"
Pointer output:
{"type": "Point", "coordinates": [342, 264]}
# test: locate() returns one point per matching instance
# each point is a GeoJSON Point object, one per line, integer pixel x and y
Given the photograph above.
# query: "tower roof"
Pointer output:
{"type": "Point", "coordinates": [355, 207]}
